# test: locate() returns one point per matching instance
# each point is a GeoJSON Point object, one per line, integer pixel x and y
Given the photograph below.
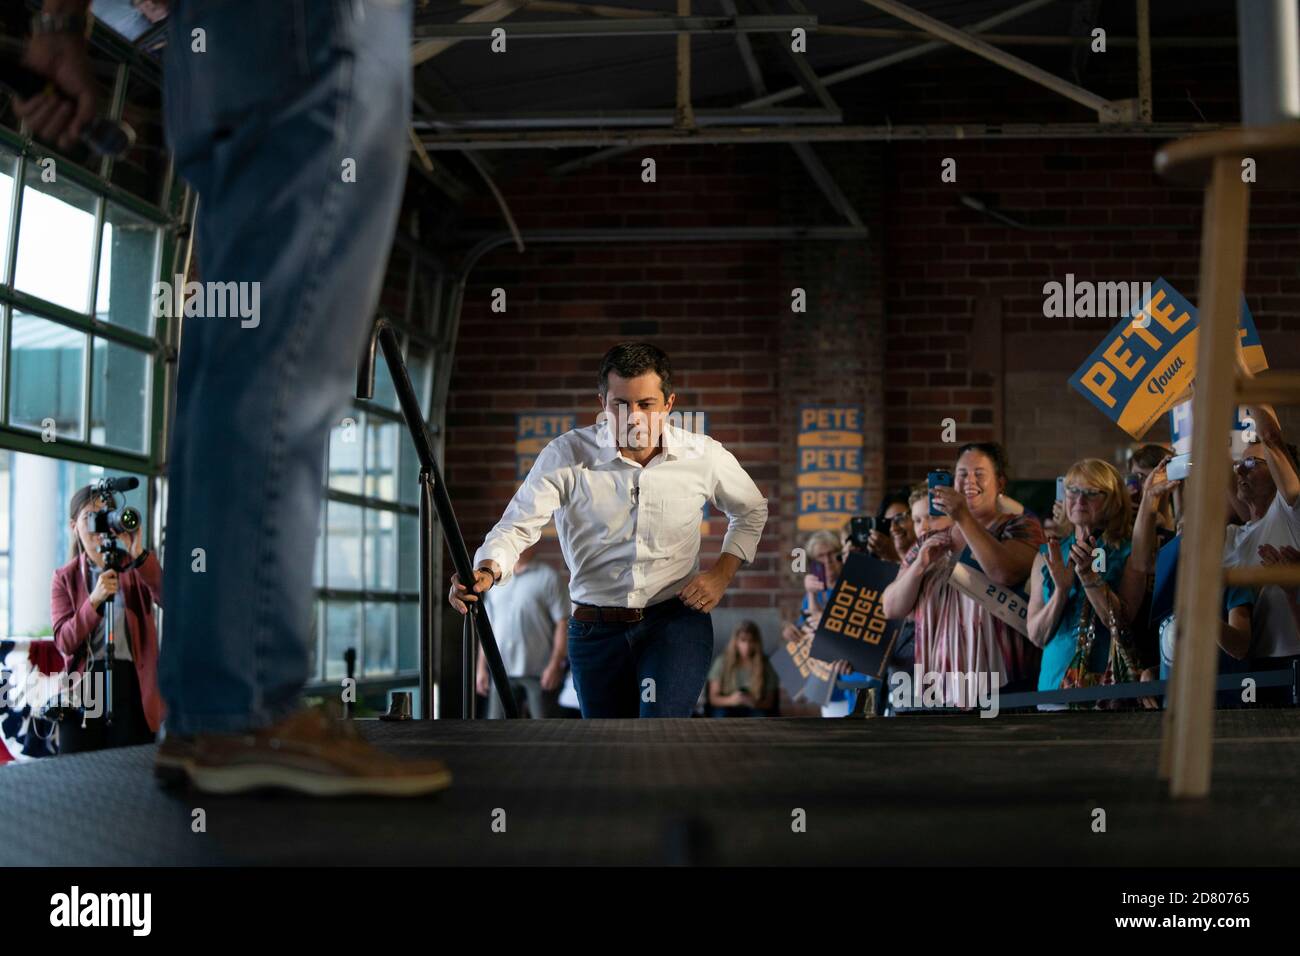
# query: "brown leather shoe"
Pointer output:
{"type": "Point", "coordinates": [308, 752]}
{"type": "Point", "coordinates": [172, 762]}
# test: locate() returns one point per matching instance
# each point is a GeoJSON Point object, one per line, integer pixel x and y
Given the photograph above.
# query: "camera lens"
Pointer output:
{"type": "Point", "coordinates": [124, 521]}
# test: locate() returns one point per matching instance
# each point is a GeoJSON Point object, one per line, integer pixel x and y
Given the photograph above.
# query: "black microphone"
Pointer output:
{"type": "Point", "coordinates": [101, 135]}
{"type": "Point", "coordinates": [117, 484]}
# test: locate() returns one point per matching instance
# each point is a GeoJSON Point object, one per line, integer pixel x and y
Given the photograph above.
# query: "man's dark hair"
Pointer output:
{"type": "Point", "coordinates": [897, 497]}
{"type": "Point", "coordinates": [630, 359]}
{"type": "Point", "coordinates": [993, 451]}
{"type": "Point", "coordinates": [1148, 456]}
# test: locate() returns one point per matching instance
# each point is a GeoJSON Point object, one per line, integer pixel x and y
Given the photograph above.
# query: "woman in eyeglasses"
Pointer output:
{"type": "Point", "coordinates": [1083, 593]}
{"type": "Point", "coordinates": [79, 601]}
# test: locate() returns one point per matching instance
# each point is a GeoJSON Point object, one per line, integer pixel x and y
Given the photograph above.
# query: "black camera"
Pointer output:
{"type": "Point", "coordinates": [860, 529]}
{"type": "Point", "coordinates": [117, 521]}
{"type": "Point", "coordinates": [113, 521]}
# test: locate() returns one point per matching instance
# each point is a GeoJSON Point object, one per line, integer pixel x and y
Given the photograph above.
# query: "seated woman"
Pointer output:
{"type": "Point", "coordinates": [742, 682]}
{"type": "Point", "coordinates": [78, 601]}
{"type": "Point", "coordinates": [955, 635]}
{"type": "Point", "coordinates": [1084, 590]}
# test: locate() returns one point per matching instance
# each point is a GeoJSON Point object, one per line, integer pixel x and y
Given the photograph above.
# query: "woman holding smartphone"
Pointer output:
{"type": "Point", "coordinates": [1083, 590]}
{"type": "Point", "coordinates": [957, 637]}
{"type": "Point", "coordinates": [78, 602]}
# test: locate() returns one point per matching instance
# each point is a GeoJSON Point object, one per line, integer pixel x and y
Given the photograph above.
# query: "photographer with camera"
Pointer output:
{"type": "Point", "coordinates": [889, 535]}
{"type": "Point", "coordinates": [109, 570]}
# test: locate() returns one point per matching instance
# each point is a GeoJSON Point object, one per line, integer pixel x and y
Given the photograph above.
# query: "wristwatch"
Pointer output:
{"type": "Point", "coordinates": [496, 575]}
{"type": "Point", "coordinates": [77, 24]}
{"type": "Point", "coordinates": [144, 556]}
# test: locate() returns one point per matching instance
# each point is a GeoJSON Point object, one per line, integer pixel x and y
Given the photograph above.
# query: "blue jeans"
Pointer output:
{"type": "Point", "coordinates": [672, 647]}
{"type": "Point", "coordinates": [263, 125]}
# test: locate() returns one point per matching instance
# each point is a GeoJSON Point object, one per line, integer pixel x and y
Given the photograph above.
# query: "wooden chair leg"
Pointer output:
{"type": "Point", "coordinates": [1167, 722]}
{"type": "Point", "coordinates": [1200, 567]}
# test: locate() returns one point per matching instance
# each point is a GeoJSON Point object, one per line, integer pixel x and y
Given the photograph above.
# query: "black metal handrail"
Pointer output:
{"type": "Point", "coordinates": [433, 496]}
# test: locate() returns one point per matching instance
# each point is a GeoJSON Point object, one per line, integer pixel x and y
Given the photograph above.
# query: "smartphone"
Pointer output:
{"type": "Point", "coordinates": [860, 528]}
{"type": "Point", "coordinates": [1060, 487]}
{"type": "Point", "coordinates": [1178, 467]}
{"type": "Point", "coordinates": [818, 570]}
{"type": "Point", "coordinates": [940, 478]}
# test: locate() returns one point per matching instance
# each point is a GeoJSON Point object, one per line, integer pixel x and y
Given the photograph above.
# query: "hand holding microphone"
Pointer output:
{"type": "Point", "coordinates": [55, 94]}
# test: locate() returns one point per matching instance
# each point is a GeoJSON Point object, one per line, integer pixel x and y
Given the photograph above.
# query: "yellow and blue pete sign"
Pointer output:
{"type": "Point", "coordinates": [534, 431]}
{"type": "Point", "coordinates": [1147, 362]}
{"type": "Point", "coordinates": [829, 476]}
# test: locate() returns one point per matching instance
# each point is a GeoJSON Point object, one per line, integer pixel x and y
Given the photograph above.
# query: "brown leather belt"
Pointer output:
{"type": "Point", "coordinates": [606, 615]}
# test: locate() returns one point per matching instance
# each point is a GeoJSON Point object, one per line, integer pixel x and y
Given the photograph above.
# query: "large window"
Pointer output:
{"type": "Point", "coordinates": [81, 373]}
{"type": "Point", "coordinates": [80, 340]}
{"type": "Point", "coordinates": [367, 559]}
{"type": "Point", "coordinates": [368, 554]}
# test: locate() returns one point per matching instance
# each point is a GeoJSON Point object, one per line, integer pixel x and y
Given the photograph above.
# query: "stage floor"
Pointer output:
{"type": "Point", "coordinates": [918, 790]}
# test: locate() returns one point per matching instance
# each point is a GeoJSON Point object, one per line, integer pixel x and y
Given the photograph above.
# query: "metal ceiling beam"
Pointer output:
{"type": "Point", "coordinates": [643, 26]}
{"type": "Point", "coordinates": [1144, 60]}
{"type": "Point", "coordinates": [799, 64]}
{"type": "Point", "coordinates": [830, 79]}
{"type": "Point", "coordinates": [425, 50]}
{"type": "Point", "coordinates": [490, 241]}
{"type": "Point", "coordinates": [872, 33]}
{"type": "Point", "coordinates": [684, 114]}
{"type": "Point", "coordinates": [817, 171]}
{"type": "Point", "coordinates": [645, 119]}
{"type": "Point", "coordinates": [585, 138]}
{"type": "Point", "coordinates": [746, 51]}
{"type": "Point", "coordinates": [871, 66]}
{"type": "Point", "coordinates": [1105, 109]}
{"type": "Point", "coordinates": [1024, 39]}
{"type": "Point", "coordinates": [584, 9]}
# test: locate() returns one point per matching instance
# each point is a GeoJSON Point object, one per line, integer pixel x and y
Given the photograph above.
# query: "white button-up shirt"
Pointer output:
{"type": "Point", "coordinates": [630, 533]}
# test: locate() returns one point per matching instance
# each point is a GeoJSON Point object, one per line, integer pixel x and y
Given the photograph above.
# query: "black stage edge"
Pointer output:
{"type": "Point", "coordinates": [923, 790]}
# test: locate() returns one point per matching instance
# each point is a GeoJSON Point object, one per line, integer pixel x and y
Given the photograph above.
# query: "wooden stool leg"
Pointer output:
{"type": "Point", "coordinates": [1167, 722]}
{"type": "Point", "coordinates": [1200, 566]}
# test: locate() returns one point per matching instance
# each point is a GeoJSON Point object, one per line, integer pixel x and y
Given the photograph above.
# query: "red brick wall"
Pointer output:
{"type": "Point", "coordinates": [722, 311]}
{"type": "Point", "coordinates": [964, 293]}
{"type": "Point", "coordinates": [938, 315]}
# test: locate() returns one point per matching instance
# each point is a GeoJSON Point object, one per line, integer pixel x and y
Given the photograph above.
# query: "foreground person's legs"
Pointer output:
{"type": "Point", "coordinates": [268, 121]}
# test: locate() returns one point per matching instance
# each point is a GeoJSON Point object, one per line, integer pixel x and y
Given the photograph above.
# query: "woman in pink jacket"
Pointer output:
{"type": "Point", "coordinates": [78, 602]}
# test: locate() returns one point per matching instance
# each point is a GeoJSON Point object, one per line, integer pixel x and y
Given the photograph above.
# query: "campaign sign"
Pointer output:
{"type": "Point", "coordinates": [817, 690]}
{"type": "Point", "coordinates": [1146, 363]}
{"type": "Point", "coordinates": [799, 671]}
{"type": "Point", "coordinates": [853, 625]}
{"type": "Point", "coordinates": [534, 431]}
{"type": "Point", "coordinates": [829, 477]}
{"type": "Point", "coordinates": [1009, 605]}
{"type": "Point", "coordinates": [1180, 430]}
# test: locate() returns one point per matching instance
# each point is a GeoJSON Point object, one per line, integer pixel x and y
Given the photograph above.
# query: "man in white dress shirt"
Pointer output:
{"type": "Point", "coordinates": [627, 495]}
{"type": "Point", "coordinates": [1270, 488]}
